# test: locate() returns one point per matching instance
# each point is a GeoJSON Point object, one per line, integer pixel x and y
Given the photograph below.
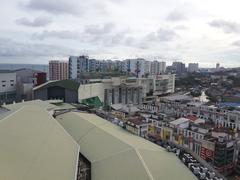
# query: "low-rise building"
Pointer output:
{"type": "Point", "coordinates": [7, 86]}
{"type": "Point", "coordinates": [137, 126]}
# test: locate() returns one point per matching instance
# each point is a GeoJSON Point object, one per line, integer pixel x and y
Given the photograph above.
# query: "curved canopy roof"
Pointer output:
{"type": "Point", "coordinates": [34, 146]}
{"type": "Point", "coordinates": [67, 84]}
{"type": "Point", "coordinates": [116, 154]}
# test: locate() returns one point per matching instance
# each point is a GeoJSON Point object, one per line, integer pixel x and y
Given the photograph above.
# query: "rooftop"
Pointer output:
{"type": "Point", "coordinates": [6, 71]}
{"type": "Point", "coordinates": [68, 84]}
{"type": "Point", "coordinates": [179, 121]}
{"type": "Point", "coordinates": [177, 98]}
{"type": "Point", "coordinates": [125, 108]}
{"type": "Point", "coordinates": [116, 154]}
{"type": "Point", "coordinates": [35, 146]}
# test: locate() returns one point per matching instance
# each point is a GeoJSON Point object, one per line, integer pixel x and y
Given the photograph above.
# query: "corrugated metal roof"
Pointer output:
{"type": "Point", "coordinates": [116, 154]}
{"type": "Point", "coordinates": [34, 146]}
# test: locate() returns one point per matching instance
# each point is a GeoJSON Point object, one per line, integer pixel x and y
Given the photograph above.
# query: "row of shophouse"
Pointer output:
{"type": "Point", "coordinates": [209, 132]}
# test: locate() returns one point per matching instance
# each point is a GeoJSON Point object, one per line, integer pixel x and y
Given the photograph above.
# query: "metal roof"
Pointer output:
{"type": "Point", "coordinates": [178, 98]}
{"type": "Point", "coordinates": [116, 154]}
{"type": "Point", "coordinates": [34, 145]}
{"type": "Point", "coordinates": [67, 84]}
{"type": "Point", "coordinates": [179, 121]}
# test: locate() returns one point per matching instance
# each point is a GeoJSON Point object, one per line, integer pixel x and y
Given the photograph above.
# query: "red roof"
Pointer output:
{"type": "Point", "coordinates": [192, 117]}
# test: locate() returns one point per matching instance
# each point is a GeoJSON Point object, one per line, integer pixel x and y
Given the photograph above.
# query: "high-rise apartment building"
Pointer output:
{"type": "Point", "coordinates": [78, 65]}
{"type": "Point", "coordinates": [158, 67]}
{"type": "Point", "coordinates": [136, 66]}
{"type": "Point", "coordinates": [179, 67]}
{"type": "Point", "coordinates": [58, 70]}
{"type": "Point", "coordinates": [193, 67]}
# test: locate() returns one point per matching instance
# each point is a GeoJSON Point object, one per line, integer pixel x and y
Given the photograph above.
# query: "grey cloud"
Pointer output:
{"type": "Point", "coordinates": [176, 16]}
{"type": "Point", "coordinates": [236, 43]}
{"type": "Point", "coordinates": [10, 48]}
{"type": "Point", "coordinates": [163, 35]}
{"type": "Point", "coordinates": [181, 27]}
{"type": "Point", "coordinates": [107, 36]}
{"type": "Point", "coordinates": [94, 34]}
{"type": "Point", "coordinates": [65, 34]}
{"type": "Point", "coordinates": [56, 6]}
{"type": "Point", "coordinates": [91, 33]}
{"type": "Point", "coordinates": [37, 22]}
{"type": "Point", "coordinates": [98, 29]}
{"type": "Point", "coordinates": [226, 26]}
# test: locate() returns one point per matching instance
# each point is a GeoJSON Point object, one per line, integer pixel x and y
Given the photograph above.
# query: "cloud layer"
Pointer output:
{"type": "Point", "coordinates": [200, 30]}
{"type": "Point", "coordinates": [226, 26]}
{"type": "Point", "coordinates": [55, 6]}
{"type": "Point", "coordinates": [37, 22]}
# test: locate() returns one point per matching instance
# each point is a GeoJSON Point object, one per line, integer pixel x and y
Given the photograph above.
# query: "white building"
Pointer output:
{"type": "Point", "coordinates": [7, 86]}
{"type": "Point", "coordinates": [147, 67]}
{"type": "Point", "coordinates": [193, 67]}
{"type": "Point", "coordinates": [158, 67]}
{"type": "Point", "coordinates": [72, 65]}
{"type": "Point", "coordinates": [126, 90]}
{"type": "Point", "coordinates": [163, 84]}
{"type": "Point", "coordinates": [78, 65]}
{"type": "Point", "coordinates": [139, 67]}
{"type": "Point", "coordinates": [112, 91]}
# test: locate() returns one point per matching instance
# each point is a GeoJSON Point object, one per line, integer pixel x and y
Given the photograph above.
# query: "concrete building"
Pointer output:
{"type": "Point", "coordinates": [73, 67]}
{"type": "Point", "coordinates": [163, 84]}
{"type": "Point", "coordinates": [27, 79]}
{"type": "Point", "coordinates": [158, 68]}
{"type": "Point", "coordinates": [93, 65]}
{"type": "Point", "coordinates": [137, 67]}
{"type": "Point", "coordinates": [179, 67]}
{"type": "Point", "coordinates": [78, 65]}
{"type": "Point", "coordinates": [112, 91]}
{"type": "Point", "coordinates": [58, 70]}
{"type": "Point", "coordinates": [7, 86]}
{"type": "Point", "coordinates": [126, 90]}
{"type": "Point", "coordinates": [137, 126]}
{"type": "Point", "coordinates": [147, 67]}
{"type": "Point", "coordinates": [193, 67]}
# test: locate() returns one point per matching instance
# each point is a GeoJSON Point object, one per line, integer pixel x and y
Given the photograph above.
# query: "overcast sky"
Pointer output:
{"type": "Point", "coordinates": [203, 31]}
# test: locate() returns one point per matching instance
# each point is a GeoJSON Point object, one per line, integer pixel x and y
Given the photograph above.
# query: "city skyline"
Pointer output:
{"type": "Point", "coordinates": [204, 32]}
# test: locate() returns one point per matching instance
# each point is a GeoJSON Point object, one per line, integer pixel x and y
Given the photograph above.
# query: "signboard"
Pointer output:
{"type": "Point", "coordinates": [206, 153]}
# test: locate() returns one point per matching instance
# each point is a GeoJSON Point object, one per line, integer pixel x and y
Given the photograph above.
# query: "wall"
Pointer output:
{"type": "Point", "coordinates": [91, 90]}
{"type": "Point", "coordinates": [7, 82]}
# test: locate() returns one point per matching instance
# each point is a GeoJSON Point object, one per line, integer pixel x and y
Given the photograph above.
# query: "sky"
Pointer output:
{"type": "Point", "coordinates": [203, 31]}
